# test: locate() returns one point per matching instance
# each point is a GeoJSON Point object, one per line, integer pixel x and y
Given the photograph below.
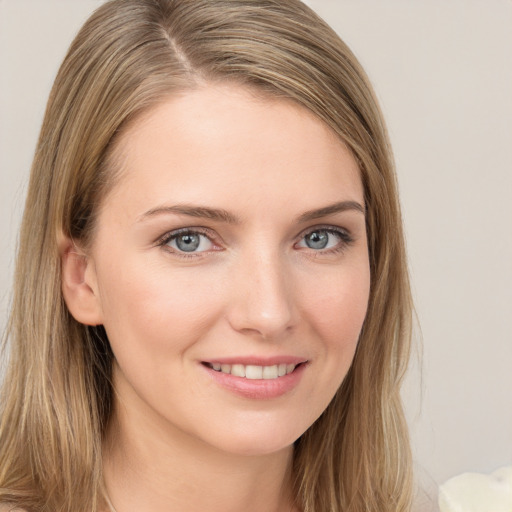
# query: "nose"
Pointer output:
{"type": "Point", "coordinates": [263, 299]}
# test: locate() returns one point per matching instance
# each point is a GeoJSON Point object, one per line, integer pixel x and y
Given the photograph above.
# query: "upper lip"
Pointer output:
{"type": "Point", "coordinates": [257, 360]}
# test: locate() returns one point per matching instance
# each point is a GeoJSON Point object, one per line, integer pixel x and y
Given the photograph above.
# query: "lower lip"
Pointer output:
{"type": "Point", "coordinates": [258, 389]}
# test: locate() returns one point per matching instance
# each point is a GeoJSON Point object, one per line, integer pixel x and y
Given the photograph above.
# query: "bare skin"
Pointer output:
{"type": "Point", "coordinates": [234, 241]}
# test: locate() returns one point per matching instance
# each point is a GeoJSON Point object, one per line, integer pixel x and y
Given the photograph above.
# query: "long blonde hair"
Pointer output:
{"type": "Point", "coordinates": [56, 396]}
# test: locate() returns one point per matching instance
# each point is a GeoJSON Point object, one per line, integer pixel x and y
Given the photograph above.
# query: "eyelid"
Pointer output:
{"type": "Point", "coordinates": [164, 240]}
{"type": "Point", "coordinates": [346, 238]}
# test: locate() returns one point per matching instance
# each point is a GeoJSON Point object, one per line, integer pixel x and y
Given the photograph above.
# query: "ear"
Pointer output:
{"type": "Point", "coordinates": [79, 284]}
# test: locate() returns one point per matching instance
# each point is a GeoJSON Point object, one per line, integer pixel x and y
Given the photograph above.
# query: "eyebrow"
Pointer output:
{"type": "Point", "coordinates": [202, 212]}
{"type": "Point", "coordinates": [331, 209]}
{"type": "Point", "coordinates": [221, 215]}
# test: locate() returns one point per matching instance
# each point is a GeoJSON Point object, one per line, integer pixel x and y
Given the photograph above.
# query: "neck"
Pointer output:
{"type": "Point", "coordinates": [148, 466]}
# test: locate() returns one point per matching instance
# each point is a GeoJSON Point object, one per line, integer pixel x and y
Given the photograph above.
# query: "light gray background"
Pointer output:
{"type": "Point", "coordinates": [443, 72]}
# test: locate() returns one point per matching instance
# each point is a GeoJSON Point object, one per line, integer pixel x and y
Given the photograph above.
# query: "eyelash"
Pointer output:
{"type": "Point", "coordinates": [173, 235]}
{"type": "Point", "coordinates": [344, 236]}
{"type": "Point", "coordinates": [345, 239]}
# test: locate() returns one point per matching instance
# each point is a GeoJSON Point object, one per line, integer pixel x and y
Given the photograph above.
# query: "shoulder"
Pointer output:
{"type": "Point", "coordinates": [6, 507]}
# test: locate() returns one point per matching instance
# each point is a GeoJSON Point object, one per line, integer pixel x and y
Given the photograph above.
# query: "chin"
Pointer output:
{"type": "Point", "coordinates": [255, 446]}
{"type": "Point", "coordinates": [258, 436]}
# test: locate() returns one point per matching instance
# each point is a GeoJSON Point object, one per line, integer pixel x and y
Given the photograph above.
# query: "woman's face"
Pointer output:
{"type": "Point", "coordinates": [233, 244]}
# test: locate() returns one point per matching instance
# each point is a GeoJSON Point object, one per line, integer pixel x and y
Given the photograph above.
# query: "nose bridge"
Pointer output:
{"type": "Point", "coordinates": [263, 301]}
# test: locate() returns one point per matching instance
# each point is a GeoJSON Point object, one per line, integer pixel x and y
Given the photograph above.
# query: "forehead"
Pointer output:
{"type": "Point", "coordinates": [220, 141]}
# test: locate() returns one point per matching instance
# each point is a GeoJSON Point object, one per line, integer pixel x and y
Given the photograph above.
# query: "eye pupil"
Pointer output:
{"type": "Point", "coordinates": [188, 242]}
{"type": "Point", "coordinates": [317, 239]}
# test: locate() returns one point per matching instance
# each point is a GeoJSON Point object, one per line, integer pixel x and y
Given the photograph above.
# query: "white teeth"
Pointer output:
{"type": "Point", "coordinates": [253, 372]}
{"type": "Point", "coordinates": [270, 372]}
{"type": "Point", "coordinates": [238, 370]}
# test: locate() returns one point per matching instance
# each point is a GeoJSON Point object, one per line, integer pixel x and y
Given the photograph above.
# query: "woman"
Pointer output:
{"type": "Point", "coordinates": [211, 305]}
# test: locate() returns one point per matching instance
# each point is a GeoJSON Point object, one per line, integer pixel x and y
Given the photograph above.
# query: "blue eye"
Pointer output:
{"type": "Point", "coordinates": [317, 239]}
{"type": "Point", "coordinates": [189, 241]}
{"type": "Point", "coordinates": [325, 239]}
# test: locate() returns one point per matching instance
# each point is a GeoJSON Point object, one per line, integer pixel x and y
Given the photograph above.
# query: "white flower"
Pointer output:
{"type": "Point", "coordinates": [475, 492]}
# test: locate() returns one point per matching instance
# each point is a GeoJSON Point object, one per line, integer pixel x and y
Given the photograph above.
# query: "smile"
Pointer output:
{"type": "Point", "coordinates": [252, 379]}
{"type": "Point", "coordinates": [253, 371]}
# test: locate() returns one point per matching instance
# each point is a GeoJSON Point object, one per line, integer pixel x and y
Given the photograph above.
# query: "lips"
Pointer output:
{"type": "Point", "coordinates": [253, 372]}
{"type": "Point", "coordinates": [257, 378]}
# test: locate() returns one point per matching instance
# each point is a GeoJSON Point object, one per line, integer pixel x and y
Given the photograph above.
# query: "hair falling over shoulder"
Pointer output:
{"type": "Point", "coordinates": [56, 394]}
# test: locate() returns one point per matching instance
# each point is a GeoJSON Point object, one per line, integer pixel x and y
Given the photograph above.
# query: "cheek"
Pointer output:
{"type": "Point", "coordinates": [148, 305]}
{"type": "Point", "coordinates": [340, 299]}
{"type": "Point", "coordinates": [336, 308]}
